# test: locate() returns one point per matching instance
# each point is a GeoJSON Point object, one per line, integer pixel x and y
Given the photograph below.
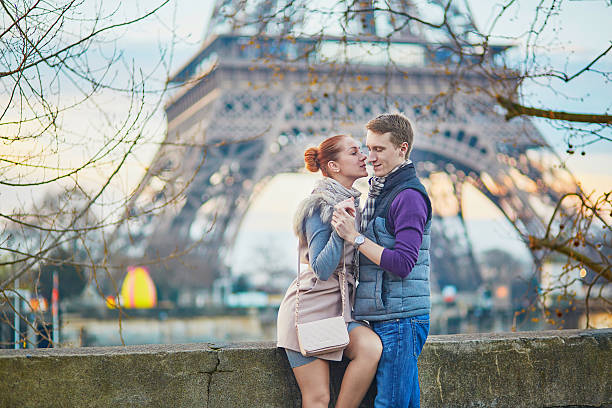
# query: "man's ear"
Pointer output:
{"type": "Point", "coordinates": [404, 149]}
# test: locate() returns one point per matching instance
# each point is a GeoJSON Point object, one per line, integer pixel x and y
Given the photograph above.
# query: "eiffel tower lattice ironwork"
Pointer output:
{"type": "Point", "coordinates": [239, 119]}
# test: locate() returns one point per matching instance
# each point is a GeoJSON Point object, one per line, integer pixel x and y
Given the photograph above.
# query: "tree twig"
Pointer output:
{"type": "Point", "coordinates": [515, 109]}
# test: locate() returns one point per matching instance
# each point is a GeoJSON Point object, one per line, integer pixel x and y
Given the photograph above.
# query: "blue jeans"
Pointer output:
{"type": "Point", "coordinates": [397, 378]}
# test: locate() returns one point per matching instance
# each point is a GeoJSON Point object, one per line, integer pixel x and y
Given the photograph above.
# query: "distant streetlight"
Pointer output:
{"type": "Point", "coordinates": [17, 324]}
{"type": "Point", "coordinates": [54, 308]}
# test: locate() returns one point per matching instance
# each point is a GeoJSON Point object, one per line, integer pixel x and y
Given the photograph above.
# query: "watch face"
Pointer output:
{"type": "Point", "coordinates": [360, 239]}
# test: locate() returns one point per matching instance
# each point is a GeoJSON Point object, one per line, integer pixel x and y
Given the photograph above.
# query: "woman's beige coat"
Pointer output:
{"type": "Point", "coordinates": [319, 299]}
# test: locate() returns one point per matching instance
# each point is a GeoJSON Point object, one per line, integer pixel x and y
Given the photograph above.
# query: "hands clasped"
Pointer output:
{"type": "Point", "coordinates": [343, 220]}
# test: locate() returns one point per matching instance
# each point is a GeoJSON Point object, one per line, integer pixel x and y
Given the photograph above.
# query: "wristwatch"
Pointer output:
{"type": "Point", "coordinates": [359, 239]}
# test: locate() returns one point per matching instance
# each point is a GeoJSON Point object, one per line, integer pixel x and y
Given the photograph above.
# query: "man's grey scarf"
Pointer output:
{"type": "Point", "coordinates": [376, 186]}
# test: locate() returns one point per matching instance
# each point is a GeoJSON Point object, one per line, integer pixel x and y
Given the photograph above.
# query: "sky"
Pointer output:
{"type": "Point", "coordinates": [583, 32]}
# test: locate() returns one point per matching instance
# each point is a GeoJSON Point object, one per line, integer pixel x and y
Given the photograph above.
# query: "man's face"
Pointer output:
{"type": "Point", "coordinates": [383, 154]}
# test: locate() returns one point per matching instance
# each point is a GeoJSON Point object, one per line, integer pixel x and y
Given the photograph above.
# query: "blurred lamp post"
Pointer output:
{"type": "Point", "coordinates": [17, 325]}
{"type": "Point", "coordinates": [54, 308]}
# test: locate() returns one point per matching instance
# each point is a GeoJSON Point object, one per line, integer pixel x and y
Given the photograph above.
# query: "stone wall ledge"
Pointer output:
{"type": "Point", "coordinates": [569, 368]}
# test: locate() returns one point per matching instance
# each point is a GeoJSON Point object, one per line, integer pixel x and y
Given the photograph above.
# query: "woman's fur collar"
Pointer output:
{"type": "Point", "coordinates": [316, 201]}
{"type": "Point", "coordinates": [327, 193]}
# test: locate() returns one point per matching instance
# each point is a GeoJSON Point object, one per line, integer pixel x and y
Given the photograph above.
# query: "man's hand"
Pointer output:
{"type": "Point", "coordinates": [344, 224]}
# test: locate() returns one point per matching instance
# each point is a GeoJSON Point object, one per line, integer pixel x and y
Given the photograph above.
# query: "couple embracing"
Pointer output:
{"type": "Point", "coordinates": [381, 252]}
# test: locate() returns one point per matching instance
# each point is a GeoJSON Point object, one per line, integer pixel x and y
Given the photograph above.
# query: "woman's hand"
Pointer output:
{"type": "Point", "coordinates": [348, 205]}
{"type": "Point", "coordinates": [344, 224]}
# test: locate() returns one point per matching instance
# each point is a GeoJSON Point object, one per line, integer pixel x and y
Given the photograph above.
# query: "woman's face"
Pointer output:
{"type": "Point", "coordinates": [351, 162]}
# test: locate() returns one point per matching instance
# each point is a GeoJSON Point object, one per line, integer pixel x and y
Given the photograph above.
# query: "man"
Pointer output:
{"type": "Point", "coordinates": [393, 292]}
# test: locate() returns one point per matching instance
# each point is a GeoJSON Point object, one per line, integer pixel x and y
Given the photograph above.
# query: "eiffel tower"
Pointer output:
{"type": "Point", "coordinates": [247, 107]}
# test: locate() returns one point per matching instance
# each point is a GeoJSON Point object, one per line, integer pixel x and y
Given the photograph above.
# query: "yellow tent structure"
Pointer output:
{"type": "Point", "coordinates": [138, 290]}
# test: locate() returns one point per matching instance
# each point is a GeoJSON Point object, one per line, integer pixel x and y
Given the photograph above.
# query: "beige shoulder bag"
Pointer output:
{"type": "Point", "coordinates": [325, 335]}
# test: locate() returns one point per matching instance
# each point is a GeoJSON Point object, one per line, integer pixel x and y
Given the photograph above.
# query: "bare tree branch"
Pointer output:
{"type": "Point", "coordinates": [514, 109]}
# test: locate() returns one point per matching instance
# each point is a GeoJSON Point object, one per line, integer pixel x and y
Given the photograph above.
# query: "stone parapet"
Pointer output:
{"type": "Point", "coordinates": [571, 368]}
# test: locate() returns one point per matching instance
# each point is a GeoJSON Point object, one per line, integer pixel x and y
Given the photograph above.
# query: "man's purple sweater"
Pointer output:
{"type": "Point", "coordinates": [407, 218]}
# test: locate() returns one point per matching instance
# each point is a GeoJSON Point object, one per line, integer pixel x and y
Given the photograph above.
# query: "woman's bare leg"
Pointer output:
{"type": "Point", "coordinates": [364, 351]}
{"type": "Point", "coordinates": [313, 380]}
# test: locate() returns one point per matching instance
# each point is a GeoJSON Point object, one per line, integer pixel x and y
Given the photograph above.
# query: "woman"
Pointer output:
{"type": "Point", "coordinates": [341, 162]}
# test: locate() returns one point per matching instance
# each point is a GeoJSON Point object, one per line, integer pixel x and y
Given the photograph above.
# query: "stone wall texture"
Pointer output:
{"type": "Point", "coordinates": [571, 368]}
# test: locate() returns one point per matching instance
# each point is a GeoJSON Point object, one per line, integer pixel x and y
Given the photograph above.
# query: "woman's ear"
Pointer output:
{"type": "Point", "coordinates": [333, 167]}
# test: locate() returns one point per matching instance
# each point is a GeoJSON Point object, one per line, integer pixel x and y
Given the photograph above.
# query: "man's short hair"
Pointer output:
{"type": "Point", "coordinates": [396, 124]}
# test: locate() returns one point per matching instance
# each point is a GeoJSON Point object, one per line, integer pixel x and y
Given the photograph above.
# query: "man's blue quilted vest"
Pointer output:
{"type": "Point", "coordinates": [382, 295]}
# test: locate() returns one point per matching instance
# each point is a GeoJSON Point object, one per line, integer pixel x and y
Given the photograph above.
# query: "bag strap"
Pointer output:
{"type": "Point", "coordinates": [341, 282]}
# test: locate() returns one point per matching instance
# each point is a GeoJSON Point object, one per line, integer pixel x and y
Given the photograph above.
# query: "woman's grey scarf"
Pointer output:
{"type": "Point", "coordinates": [326, 193]}
{"type": "Point", "coordinates": [335, 190]}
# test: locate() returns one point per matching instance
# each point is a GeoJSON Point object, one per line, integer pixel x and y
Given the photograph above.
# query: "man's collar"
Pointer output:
{"type": "Point", "coordinates": [402, 164]}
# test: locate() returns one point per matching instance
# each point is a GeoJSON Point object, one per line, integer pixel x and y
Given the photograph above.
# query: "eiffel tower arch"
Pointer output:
{"type": "Point", "coordinates": [237, 121]}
